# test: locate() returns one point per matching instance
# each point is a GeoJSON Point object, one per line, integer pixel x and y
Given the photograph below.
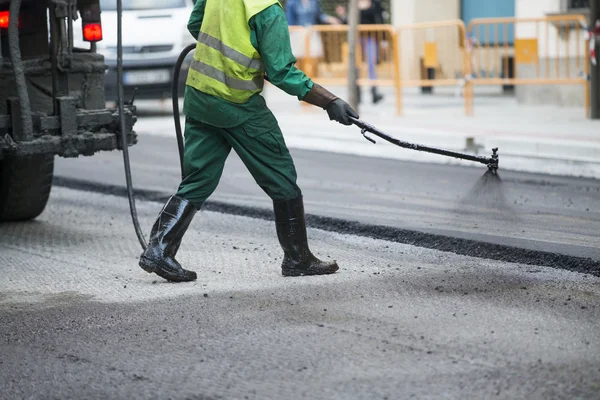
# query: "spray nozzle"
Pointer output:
{"type": "Point", "coordinates": [494, 160]}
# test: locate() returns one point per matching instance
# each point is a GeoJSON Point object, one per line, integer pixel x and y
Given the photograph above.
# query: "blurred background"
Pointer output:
{"type": "Point", "coordinates": [463, 74]}
{"type": "Point", "coordinates": [533, 52]}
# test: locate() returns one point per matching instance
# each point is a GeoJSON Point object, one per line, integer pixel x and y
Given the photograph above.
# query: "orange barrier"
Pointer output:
{"type": "Point", "coordinates": [433, 54]}
{"type": "Point", "coordinates": [437, 46]}
{"type": "Point", "coordinates": [549, 50]}
{"type": "Point", "coordinates": [298, 39]}
{"type": "Point", "coordinates": [385, 56]}
{"type": "Point", "coordinates": [325, 55]}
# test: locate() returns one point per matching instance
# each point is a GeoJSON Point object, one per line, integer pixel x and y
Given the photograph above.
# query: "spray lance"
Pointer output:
{"type": "Point", "coordinates": [491, 162]}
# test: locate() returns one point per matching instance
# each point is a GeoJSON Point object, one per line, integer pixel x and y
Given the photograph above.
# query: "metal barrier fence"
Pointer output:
{"type": "Point", "coordinates": [324, 56]}
{"type": "Point", "coordinates": [433, 54]}
{"type": "Point", "coordinates": [550, 50]}
{"type": "Point", "coordinates": [418, 55]}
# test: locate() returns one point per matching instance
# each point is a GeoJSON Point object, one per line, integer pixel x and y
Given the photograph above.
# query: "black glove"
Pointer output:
{"type": "Point", "coordinates": [341, 112]}
{"type": "Point", "coordinates": [337, 108]}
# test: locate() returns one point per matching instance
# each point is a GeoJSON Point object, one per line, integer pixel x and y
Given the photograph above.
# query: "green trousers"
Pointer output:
{"type": "Point", "coordinates": [258, 142]}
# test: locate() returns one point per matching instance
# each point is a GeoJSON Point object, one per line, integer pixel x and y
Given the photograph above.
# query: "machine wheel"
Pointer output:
{"type": "Point", "coordinates": [25, 185]}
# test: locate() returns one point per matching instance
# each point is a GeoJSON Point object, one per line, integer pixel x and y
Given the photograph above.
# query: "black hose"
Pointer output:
{"type": "Point", "coordinates": [175, 98]}
{"type": "Point", "coordinates": [17, 64]}
{"type": "Point", "coordinates": [121, 105]}
{"type": "Point", "coordinates": [123, 126]}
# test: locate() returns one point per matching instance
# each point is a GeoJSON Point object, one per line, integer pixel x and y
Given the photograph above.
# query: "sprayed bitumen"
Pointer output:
{"type": "Point", "coordinates": [488, 191]}
{"type": "Point", "coordinates": [462, 246]}
{"type": "Point", "coordinates": [488, 194]}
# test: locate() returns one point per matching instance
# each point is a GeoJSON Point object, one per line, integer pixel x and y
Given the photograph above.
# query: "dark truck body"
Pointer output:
{"type": "Point", "coordinates": [67, 113]}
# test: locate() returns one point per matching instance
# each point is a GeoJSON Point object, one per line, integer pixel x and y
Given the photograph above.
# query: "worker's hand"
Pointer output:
{"type": "Point", "coordinates": [337, 108]}
{"type": "Point", "coordinates": [341, 112]}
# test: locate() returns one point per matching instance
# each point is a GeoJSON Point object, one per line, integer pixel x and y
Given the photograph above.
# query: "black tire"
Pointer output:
{"type": "Point", "coordinates": [25, 185]}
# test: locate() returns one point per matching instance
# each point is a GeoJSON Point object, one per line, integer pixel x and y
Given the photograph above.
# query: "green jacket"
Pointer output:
{"type": "Point", "coordinates": [269, 34]}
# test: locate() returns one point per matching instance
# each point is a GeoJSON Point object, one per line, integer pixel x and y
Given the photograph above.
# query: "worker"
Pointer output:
{"type": "Point", "coordinates": [239, 42]}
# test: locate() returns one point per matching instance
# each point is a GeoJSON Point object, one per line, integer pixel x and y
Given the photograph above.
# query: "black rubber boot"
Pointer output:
{"type": "Point", "coordinates": [165, 238]}
{"type": "Point", "coordinates": [291, 232]}
{"type": "Point", "coordinates": [377, 97]}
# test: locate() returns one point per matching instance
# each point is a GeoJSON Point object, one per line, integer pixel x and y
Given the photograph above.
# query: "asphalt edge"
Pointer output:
{"type": "Point", "coordinates": [461, 246]}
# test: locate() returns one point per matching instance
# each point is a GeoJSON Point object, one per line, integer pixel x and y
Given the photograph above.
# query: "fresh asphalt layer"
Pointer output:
{"type": "Point", "coordinates": [528, 218]}
{"type": "Point", "coordinates": [79, 318]}
{"type": "Point", "coordinates": [469, 247]}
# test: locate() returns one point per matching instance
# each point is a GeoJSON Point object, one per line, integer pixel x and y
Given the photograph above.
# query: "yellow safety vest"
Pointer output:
{"type": "Point", "coordinates": [225, 63]}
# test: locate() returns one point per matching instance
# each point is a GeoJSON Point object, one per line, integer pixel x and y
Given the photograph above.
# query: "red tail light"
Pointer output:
{"type": "Point", "coordinates": [4, 19]}
{"type": "Point", "coordinates": [91, 22]}
{"type": "Point", "coordinates": [92, 32]}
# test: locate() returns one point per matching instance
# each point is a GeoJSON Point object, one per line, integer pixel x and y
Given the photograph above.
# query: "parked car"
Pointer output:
{"type": "Point", "coordinates": [154, 34]}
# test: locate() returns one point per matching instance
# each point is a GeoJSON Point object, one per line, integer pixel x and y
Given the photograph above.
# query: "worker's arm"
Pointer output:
{"type": "Point", "coordinates": [195, 21]}
{"type": "Point", "coordinates": [273, 39]}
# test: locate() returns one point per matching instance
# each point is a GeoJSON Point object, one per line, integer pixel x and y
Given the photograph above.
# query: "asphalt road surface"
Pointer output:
{"type": "Point", "coordinates": [79, 319]}
{"type": "Point", "coordinates": [528, 211]}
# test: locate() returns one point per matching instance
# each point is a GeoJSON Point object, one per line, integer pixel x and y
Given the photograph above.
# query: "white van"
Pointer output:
{"type": "Point", "coordinates": [154, 34]}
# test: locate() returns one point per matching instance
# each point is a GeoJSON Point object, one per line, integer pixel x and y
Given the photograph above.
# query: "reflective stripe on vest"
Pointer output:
{"type": "Point", "coordinates": [234, 83]}
{"type": "Point", "coordinates": [230, 53]}
{"type": "Point", "coordinates": [225, 63]}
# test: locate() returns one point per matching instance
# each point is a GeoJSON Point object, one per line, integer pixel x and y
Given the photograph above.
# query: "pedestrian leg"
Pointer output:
{"type": "Point", "coordinates": [372, 62]}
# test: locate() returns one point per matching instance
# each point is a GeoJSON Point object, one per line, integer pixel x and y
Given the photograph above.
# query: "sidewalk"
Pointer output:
{"type": "Point", "coordinates": [544, 139]}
